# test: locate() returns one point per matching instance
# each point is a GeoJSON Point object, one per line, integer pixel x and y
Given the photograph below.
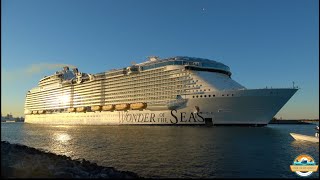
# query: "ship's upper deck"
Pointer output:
{"type": "Point", "coordinates": [155, 62]}
{"type": "Point", "coordinates": [192, 63]}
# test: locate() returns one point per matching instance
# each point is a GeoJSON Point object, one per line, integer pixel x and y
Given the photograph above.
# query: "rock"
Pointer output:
{"type": "Point", "coordinates": [62, 174]}
{"type": "Point", "coordinates": [20, 161]}
{"type": "Point", "coordinates": [103, 176]}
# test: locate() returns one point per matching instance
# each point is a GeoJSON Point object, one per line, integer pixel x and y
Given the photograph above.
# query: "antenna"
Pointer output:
{"type": "Point", "coordinates": [293, 84]}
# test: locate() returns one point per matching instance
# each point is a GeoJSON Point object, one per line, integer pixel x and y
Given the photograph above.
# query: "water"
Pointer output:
{"type": "Point", "coordinates": [174, 151]}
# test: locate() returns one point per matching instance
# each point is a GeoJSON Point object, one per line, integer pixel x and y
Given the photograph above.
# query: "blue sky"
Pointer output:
{"type": "Point", "coordinates": [264, 42]}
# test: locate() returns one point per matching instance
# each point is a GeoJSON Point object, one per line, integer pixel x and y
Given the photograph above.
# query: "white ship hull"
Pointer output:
{"type": "Point", "coordinates": [244, 107]}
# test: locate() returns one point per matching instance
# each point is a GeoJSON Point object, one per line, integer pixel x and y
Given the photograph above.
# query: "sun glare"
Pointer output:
{"type": "Point", "coordinates": [62, 137]}
{"type": "Point", "coordinates": [64, 99]}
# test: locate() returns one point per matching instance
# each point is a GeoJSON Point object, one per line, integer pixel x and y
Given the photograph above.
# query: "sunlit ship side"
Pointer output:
{"type": "Point", "coordinates": [174, 91]}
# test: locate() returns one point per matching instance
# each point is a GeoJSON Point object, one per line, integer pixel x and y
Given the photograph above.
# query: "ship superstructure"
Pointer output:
{"type": "Point", "coordinates": [176, 90]}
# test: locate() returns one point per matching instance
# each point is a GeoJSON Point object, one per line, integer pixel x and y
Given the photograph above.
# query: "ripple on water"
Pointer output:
{"type": "Point", "coordinates": [164, 151]}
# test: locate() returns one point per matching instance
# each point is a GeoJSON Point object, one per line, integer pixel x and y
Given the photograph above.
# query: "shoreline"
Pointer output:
{"type": "Point", "coordinates": [20, 161]}
{"type": "Point", "coordinates": [304, 122]}
{"type": "Point", "coordinates": [292, 122]}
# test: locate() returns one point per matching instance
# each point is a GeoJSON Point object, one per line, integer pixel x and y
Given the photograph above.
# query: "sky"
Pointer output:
{"type": "Point", "coordinates": [269, 43]}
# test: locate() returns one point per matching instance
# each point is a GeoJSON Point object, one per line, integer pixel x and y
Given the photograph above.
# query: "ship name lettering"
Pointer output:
{"type": "Point", "coordinates": [137, 117]}
{"type": "Point", "coordinates": [127, 119]}
{"type": "Point", "coordinates": [202, 119]}
{"type": "Point", "coordinates": [174, 116]}
{"type": "Point", "coordinates": [146, 118]}
{"type": "Point", "coordinates": [192, 116]}
{"type": "Point", "coordinates": [140, 117]}
{"type": "Point", "coordinates": [152, 115]}
{"type": "Point", "coordinates": [183, 117]}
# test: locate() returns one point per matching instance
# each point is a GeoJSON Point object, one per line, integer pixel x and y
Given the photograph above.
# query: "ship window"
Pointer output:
{"type": "Point", "coordinates": [197, 96]}
{"type": "Point", "coordinates": [222, 94]}
{"type": "Point", "coordinates": [209, 95]}
{"type": "Point", "coordinates": [227, 94]}
{"type": "Point", "coordinates": [201, 96]}
{"type": "Point", "coordinates": [205, 95]}
{"type": "Point", "coordinates": [231, 94]}
{"type": "Point", "coordinates": [213, 95]}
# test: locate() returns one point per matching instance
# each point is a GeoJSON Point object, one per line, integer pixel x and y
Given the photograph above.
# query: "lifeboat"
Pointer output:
{"type": "Point", "coordinates": [81, 109]}
{"type": "Point", "coordinates": [71, 109]}
{"type": "Point", "coordinates": [122, 106]}
{"type": "Point", "coordinates": [27, 112]}
{"type": "Point", "coordinates": [95, 108]}
{"type": "Point", "coordinates": [41, 111]}
{"type": "Point", "coordinates": [34, 112]}
{"type": "Point", "coordinates": [109, 107]}
{"type": "Point", "coordinates": [138, 106]}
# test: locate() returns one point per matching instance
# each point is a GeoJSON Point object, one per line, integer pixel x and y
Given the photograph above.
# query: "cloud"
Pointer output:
{"type": "Point", "coordinates": [18, 74]}
{"type": "Point", "coordinates": [37, 68]}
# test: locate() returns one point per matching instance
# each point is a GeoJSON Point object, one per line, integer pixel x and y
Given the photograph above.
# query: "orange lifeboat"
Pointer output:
{"type": "Point", "coordinates": [95, 108]}
{"type": "Point", "coordinates": [109, 107]}
{"type": "Point", "coordinates": [138, 106]}
{"type": "Point", "coordinates": [41, 111]}
{"type": "Point", "coordinates": [122, 106]}
{"type": "Point", "coordinates": [34, 112]}
{"type": "Point", "coordinates": [27, 112]}
{"type": "Point", "coordinates": [81, 109]}
{"type": "Point", "coordinates": [71, 109]}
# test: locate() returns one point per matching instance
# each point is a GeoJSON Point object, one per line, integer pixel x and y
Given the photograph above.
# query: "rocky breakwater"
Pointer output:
{"type": "Point", "coordinates": [20, 161]}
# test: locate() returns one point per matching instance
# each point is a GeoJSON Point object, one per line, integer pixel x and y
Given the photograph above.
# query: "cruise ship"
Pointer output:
{"type": "Point", "coordinates": [170, 91]}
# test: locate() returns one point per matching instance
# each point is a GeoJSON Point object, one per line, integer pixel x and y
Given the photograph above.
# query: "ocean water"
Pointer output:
{"type": "Point", "coordinates": [175, 151]}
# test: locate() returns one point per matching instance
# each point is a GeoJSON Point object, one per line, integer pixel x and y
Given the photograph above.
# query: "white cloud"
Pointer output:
{"type": "Point", "coordinates": [18, 74]}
